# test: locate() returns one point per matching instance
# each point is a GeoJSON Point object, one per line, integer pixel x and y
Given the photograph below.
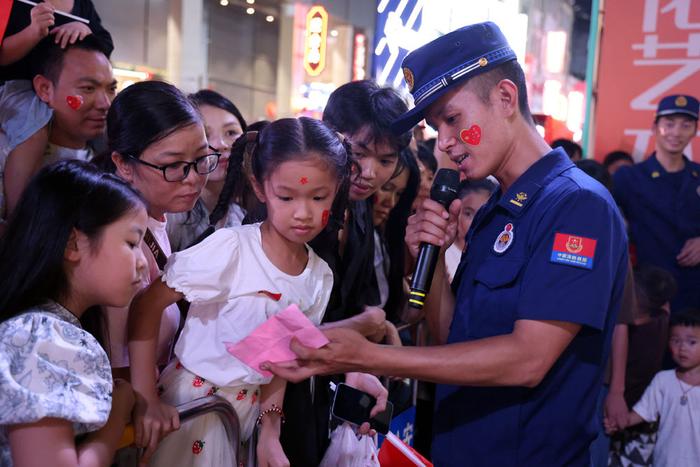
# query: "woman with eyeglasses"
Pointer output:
{"type": "Point", "coordinates": [223, 124]}
{"type": "Point", "coordinates": [158, 145]}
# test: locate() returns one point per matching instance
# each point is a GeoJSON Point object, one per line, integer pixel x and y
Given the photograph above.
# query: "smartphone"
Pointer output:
{"type": "Point", "coordinates": [354, 406]}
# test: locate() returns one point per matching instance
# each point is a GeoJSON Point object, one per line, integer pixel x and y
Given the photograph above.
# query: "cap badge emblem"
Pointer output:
{"type": "Point", "coordinates": [681, 101]}
{"type": "Point", "coordinates": [408, 76]}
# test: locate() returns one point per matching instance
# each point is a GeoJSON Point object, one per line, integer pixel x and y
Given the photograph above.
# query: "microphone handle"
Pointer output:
{"type": "Point", "coordinates": [423, 275]}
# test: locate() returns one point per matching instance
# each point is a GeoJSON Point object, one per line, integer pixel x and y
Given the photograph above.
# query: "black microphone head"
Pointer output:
{"type": "Point", "coordinates": [445, 185]}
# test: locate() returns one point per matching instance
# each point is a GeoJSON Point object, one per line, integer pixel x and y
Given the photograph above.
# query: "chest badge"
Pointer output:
{"type": "Point", "coordinates": [505, 239]}
{"type": "Point", "coordinates": [655, 174]}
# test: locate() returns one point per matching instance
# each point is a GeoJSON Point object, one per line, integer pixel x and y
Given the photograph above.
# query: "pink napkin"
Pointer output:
{"type": "Point", "coordinates": [270, 341]}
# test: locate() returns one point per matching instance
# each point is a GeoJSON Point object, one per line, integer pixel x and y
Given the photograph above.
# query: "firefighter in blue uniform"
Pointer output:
{"type": "Point", "coordinates": [660, 198]}
{"type": "Point", "coordinates": [527, 329]}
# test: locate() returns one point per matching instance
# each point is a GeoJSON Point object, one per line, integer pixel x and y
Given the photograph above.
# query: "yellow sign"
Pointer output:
{"type": "Point", "coordinates": [315, 42]}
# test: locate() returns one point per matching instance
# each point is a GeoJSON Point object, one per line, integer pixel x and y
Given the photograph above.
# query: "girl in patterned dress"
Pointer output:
{"type": "Point", "coordinates": [235, 280]}
{"type": "Point", "coordinates": [72, 244]}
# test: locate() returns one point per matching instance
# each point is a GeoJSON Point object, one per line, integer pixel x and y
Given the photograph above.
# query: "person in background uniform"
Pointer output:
{"type": "Point", "coordinates": [538, 289]}
{"type": "Point", "coordinates": [660, 199]}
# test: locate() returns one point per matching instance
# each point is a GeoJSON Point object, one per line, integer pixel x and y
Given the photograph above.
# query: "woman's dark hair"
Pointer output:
{"type": "Point", "coordinates": [615, 156]}
{"type": "Point", "coordinates": [394, 233]}
{"type": "Point", "coordinates": [597, 171]}
{"type": "Point", "coordinates": [143, 114]}
{"type": "Point", "coordinates": [654, 287]}
{"type": "Point", "coordinates": [214, 99]}
{"type": "Point", "coordinates": [427, 158]}
{"type": "Point", "coordinates": [63, 196]}
{"type": "Point", "coordinates": [273, 144]}
{"type": "Point", "coordinates": [359, 104]}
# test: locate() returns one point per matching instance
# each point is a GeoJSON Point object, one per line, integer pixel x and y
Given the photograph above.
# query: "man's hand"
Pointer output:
{"type": "Point", "coordinates": [70, 33]}
{"type": "Point", "coordinates": [690, 253]}
{"type": "Point", "coordinates": [432, 224]}
{"type": "Point", "coordinates": [42, 19]}
{"type": "Point", "coordinates": [346, 351]}
{"type": "Point", "coordinates": [372, 386]}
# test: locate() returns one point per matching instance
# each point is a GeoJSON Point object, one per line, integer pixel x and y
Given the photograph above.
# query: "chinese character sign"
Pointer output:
{"type": "Point", "coordinates": [649, 49]}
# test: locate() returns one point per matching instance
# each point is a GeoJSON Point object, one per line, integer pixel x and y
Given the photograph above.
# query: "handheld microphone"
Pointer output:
{"type": "Point", "coordinates": [444, 191]}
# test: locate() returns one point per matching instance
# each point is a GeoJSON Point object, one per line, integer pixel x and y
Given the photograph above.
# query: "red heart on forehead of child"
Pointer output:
{"type": "Point", "coordinates": [74, 102]}
{"type": "Point", "coordinates": [472, 135]}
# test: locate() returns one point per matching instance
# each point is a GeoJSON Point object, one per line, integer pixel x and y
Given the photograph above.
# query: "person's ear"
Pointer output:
{"type": "Point", "coordinates": [43, 87]}
{"type": "Point", "coordinates": [506, 97]}
{"type": "Point", "coordinates": [75, 246]}
{"type": "Point", "coordinates": [257, 189]}
{"type": "Point", "coordinates": [124, 169]}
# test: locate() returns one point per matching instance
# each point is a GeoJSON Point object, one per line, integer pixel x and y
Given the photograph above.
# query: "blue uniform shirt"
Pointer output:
{"type": "Point", "coordinates": [663, 212]}
{"type": "Point", "coordinates": [553, 247]}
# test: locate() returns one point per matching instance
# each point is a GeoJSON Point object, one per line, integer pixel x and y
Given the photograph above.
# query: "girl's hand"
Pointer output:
{"type": "Point", "coordinates": [69, 33]}
{"type": "Point", "coordinates": [41, 19]}
{"type": "Point", "coordinates": [153, 421]}
{"type": "Point", "coordinates": [269, 449]}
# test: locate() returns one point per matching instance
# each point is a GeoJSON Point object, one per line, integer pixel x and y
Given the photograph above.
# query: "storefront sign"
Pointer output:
{"type": "Point", "coordinates": [315, 42]}
{"type": "Point", "coordinates": [359, 54]}
{"type": "Point", "coordinates": [649, 49]}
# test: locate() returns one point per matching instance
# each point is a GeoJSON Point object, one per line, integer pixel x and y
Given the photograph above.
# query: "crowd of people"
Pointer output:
{"type": "Point", "coordinates": [143, 233]}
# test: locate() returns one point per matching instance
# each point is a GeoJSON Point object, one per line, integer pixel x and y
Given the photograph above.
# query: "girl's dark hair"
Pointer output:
{"type": "Point", "coordinates": [394, 233]}
{"type": "Point", "coordinates": [365, 104]}
{"type": "Point", "coordinates": [63, 196]}
{"type": "Point", "coordinates": [264, 147]}
{"type": "Point", "coordinates": [143, 114]}
{"type": "Point", "coordinates": [214, 99]}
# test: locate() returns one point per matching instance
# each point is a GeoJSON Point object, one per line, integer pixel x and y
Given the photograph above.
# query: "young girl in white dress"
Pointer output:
{"type": "Point", "coordinates": [235, 280]}
{"type": "Point", "coordinates": [73, 243]}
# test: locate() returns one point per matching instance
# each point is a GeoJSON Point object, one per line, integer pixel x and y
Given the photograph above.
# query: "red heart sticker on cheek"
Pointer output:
{"type": "Point", "coordinates": [74, 102]}
{"type": "Point", "coordinates": [324, 217]}
{"type": "Point", "coordinates": [472, 135]}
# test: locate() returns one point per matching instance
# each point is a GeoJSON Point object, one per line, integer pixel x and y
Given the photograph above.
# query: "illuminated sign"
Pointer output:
{"type": "Point", "coordinates": [315, 43]}
{"type": "Point", "coordinates": [358, 57]}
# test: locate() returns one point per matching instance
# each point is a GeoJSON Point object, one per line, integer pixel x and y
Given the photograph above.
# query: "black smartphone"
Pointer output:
{"type": "Point", "coordinates": [354, 406]}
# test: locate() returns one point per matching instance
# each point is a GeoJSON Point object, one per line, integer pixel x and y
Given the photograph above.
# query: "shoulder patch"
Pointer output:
{"type": "Point", "coordinates": [573, 250]}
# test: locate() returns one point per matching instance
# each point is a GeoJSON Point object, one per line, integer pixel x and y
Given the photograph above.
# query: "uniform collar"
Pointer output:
{"type": "Point", "coordinates": [654, 168]}
{"type": "Point", "coordinates": [522, 193]}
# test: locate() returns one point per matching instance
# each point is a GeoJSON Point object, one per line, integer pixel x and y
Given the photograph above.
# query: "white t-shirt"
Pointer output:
{"type": "Point", "coordinates": [452, 256]}
{"type": "Point", "coordinates": [233, 288]}
{"type": "Point", "coordinates": [678, 439]}
{"type": "Point", "coordinates": [117, 317]}
{"type": "Point", "coordinates": [381, 266]}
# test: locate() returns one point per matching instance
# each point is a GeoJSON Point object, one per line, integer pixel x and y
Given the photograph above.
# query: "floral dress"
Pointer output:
{"type": "Point", "coordinates": [51, 367]}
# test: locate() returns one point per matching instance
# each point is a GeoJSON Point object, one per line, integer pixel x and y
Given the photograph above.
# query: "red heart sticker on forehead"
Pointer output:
{"type": "Point", "coordinates": [472, 135]}
{"type": "Point", "coordinates": [74, 102]}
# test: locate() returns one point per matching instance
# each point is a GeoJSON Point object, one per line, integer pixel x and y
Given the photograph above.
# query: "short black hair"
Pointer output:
{"type": "Point", "coordinates": [615, 156]}
{"type": "Point", "coordinates": [689, 317]}
{"type": "Point", "coordinates": [569, 146]}
{"type": "Point", "coordinates": [511, 70]}
{"type": "Point", "coordinates": [471, 186]}
{"type": "Point", "coordinates": [359, 104]}
{"type": "Point", "coordinates": [48, 56]}
{"type": "Point", "coordinates": [427, 158]}
{"type": "Point", "coordinates": [596, 170]}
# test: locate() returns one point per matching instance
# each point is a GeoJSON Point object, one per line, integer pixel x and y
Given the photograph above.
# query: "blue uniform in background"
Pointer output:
{"type": "Point", "coordinates": [553, 247]}
{"type": "Point", "coordinates": [663, 212]}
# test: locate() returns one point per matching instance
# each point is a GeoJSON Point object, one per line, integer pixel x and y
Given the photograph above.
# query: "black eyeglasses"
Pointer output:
{"type": "Point", "coordinates": [178, 171]}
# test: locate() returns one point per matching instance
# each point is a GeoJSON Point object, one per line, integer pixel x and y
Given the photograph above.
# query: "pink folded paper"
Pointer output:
{"type": "Point", "coordinates": [270, 341]}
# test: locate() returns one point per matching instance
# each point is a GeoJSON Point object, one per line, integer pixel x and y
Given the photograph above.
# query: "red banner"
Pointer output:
{"type": "Point", "coordinates": [649, 49]}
